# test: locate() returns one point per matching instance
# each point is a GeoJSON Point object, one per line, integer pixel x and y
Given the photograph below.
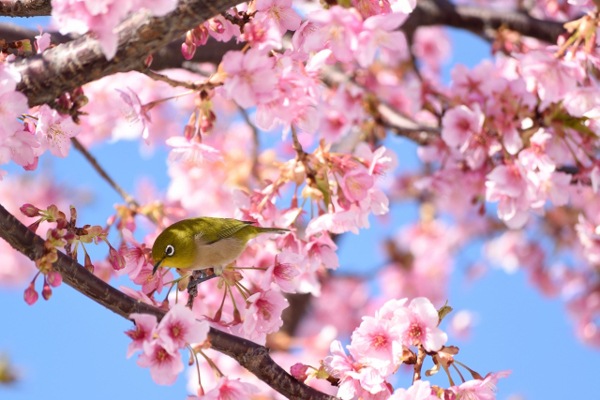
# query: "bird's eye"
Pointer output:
{"type": "Point", "coordinates": [169, 250]}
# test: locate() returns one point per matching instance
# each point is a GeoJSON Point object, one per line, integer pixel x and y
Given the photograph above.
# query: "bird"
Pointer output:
{"type": "Point", "coordinates": [205, 242]}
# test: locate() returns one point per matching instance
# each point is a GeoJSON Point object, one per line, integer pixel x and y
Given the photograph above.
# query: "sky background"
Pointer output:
{"type": "Point", "coordinates": [72, 348]}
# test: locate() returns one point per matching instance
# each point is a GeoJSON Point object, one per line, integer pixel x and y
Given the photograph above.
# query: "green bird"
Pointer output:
{"type": "Point", "coordinates": [205, 242]}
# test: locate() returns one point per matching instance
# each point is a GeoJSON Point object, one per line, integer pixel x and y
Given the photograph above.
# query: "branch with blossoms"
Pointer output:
{"type": "Point", "coordinates": [47, 77]}
{"type": "Point", "coordinates": [250, 355]}
{"type": "Point", "coordinates": [378, 347]}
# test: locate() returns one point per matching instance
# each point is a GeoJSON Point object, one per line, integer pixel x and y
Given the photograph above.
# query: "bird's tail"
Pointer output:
{"type": "Point", "coordinates": [262, 229]}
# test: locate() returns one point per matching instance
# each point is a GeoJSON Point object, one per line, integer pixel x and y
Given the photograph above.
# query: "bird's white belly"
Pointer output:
{"type": "Point", "coordinates": [219, 253]}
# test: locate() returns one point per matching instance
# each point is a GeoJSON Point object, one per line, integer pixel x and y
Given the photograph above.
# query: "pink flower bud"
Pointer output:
{"type": "Point", "coordinates": [32, 166]}
{"type": "Point", "coordinates": [188, 50]}
{"type": "Point", "coordinates": [31, 296]}
{"type": "Point", "coordinates": [54, 278]}
{"type": "Point", "coordinates": [30, 210]}
{"type": "Point", "coordinates": [116, 260]}
{"type": "Point", "coordinates": [298, 371]}
{"type": "Point", "coordinates": [46, 291]}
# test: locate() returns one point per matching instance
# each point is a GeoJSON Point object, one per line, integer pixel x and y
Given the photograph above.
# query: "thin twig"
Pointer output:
{"type": "Point", "coordinates": [419, 364]}
{"type": "Point", "coordinates": [256, 137]}
{"type": "Point", "coordinates": [102, 172]}
{"type": "Point", "coordinates": [175, 83]}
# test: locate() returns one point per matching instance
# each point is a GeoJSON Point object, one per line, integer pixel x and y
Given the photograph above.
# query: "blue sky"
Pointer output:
{"type": "Point", "coordinates": [71, 348]}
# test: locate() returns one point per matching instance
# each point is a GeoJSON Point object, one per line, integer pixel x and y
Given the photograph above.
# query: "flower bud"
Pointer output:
{"type": "Point", "coordinates": [54, 278]}
{"type": "Point", "coordinates": [46, 291]}
{"type": "Point", "coordinates": [30, 295]}
{"type": "Point", "coordinates": [298, 371]}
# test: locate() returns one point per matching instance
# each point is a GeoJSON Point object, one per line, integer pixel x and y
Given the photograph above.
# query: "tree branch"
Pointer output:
{"type": "Point", "coordinates": [80, 61]}
{"type": "Point", "coordinates": [252, 356]}
{"type": "Point", "coordinates": [480, 19]}
{"type": "Point", "coordinates": [67, 66]}
{"type": "Point", "coordinates": [25, 8]}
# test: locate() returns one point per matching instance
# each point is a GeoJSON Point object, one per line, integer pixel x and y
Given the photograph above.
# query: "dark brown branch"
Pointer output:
{"type": "Point", "coordinates": [250, 355]}
{"type": "Point", "coordinates": [67, 66]}
{"type": "Point", "coordinates": [167, 57]}
{"type": "Point", "coordinates": [480, 19]}
{"type": "Point", "coordinates": [25, 8]}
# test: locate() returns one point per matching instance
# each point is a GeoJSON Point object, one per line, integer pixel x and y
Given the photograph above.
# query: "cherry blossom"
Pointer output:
{"type": "Point", "coordinates": [418, 323]}
{"type": "Point", "coordinates": [250, 77]}
{"type": "Point", "coordinates": [55, 131]}
{"type": "Point", "coordinates": [164, 366]}
{"type": "Point", "coordinates": [179, 327]}
{"type": "Point", "coordinates": [231, 389]}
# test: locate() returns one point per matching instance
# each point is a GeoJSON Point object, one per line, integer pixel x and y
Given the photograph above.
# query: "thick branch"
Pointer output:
{"type": "Point", "coordinates": [67, 66]}
{"type": "Point", "coordinates": [480, 19]}
{"type": "Point", "coordinates": [25, 8]}
{"type": "Point", "coordinates": [250, 355]}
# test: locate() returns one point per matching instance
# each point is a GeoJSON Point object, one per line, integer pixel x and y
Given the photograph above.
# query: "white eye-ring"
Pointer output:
{"type": "Point", "coordinates": [169, 250]}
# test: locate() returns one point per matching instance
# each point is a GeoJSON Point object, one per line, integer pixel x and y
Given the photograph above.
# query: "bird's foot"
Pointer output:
{"type": "Point", "coordinates": [197, 278]}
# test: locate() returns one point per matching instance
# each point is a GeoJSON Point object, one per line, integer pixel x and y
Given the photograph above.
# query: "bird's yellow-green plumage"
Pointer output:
{"type": "Point", "coordinates": [205, 242]}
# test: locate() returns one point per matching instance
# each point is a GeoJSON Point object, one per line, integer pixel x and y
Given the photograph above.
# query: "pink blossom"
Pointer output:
{"type": "Point", "coordinates": [336, 29]}
{"type": "Point", "coordinates": [595, 178]}
{"type": "Point", "coordinates": [420, 390]}
{"type": "Point", "coordinates": [142, 334]}
{"type": "Point", "coordinates": [231, 389]}
{"type": "Point", "coordinates": [379, 161]}
{"type": "Point", "coordinates": [55, 131]}
{"type": "Point", "coordinates": [263, 312]}
{"type": "Point", "coordinates": [377, 343]}
{"type": "Point", "coordinates": [250, 77]}
{"type": "Point", "coordinates": [335, 222]}
{"type": "Point", "coordinates": [280, 12]}
{"type": "Point", "coordinates": [164, 366]}
{"type": "Point", "coordinates": [149, 281]}
{"type": "Point", "coordinates": [418, 324]}
{"type": "Point", "coordinates": [21, 147]}
{"type": "Point", "coordinates": [368, 8]}
{"type": "Point", "coordinates": [13, 104]}
{"type": "Point", "coordinates": [102, 17]}
{"type": "Point", "coordinates": [507, 185]}
{"type": "Point", "coordinates": [180, 327]}
{"type": "Point", "coordinates": [263, 35]}
{"type": "Point", "coordinates": [356, 183]}
{"type": "Point", "coordinates": [583, 102]}
{"type": "Point", "coordinates": [460, 125]}
{"type": "Point", "coordinates": [191, 151]}
{"type": "Point", "coordinates": [222, 29]}
{"type": "Point", "coordinates": [461, 324]}
{"type": "Point", "coordinates": [480, 389]}
{"type": "Point", "coordinates": [42, 41]}
{"type": "Point", "coordinates": [403, 6]}
{"type": "Point", "coordinates": [432, 46]}
{"type": "Point", "coordinates": [356, 380]}
{"type": "Point", "coordinates": [550, 76]}
{"type": "Point", "coordinates": [136, 114]}
{"type": "Point", "coordinates": [283, 272]}
{"type": "Point", "coordinates": [380, 32]}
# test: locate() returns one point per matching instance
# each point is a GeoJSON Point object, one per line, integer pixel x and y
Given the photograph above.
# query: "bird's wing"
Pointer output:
{"type": "Point", "coordinates": [224, 228]}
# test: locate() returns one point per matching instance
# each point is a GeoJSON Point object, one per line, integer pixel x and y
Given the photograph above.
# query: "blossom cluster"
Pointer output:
{"type": "Point", "coordinates": [44, 129]}
{"type": "Point", "coordinates": [516, 136]}
{"type": "Point", "coordinates": [160, 342]}
{"type": "Point", "coordinates": [381, 344]}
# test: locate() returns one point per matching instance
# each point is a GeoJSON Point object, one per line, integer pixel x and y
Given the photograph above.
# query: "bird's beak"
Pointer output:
{"type": "Point", "coordinates": [157, 265]}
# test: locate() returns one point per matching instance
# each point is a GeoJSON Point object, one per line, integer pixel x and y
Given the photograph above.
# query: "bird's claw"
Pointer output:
{"type": "Point", "coordinates": [197, 278]}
